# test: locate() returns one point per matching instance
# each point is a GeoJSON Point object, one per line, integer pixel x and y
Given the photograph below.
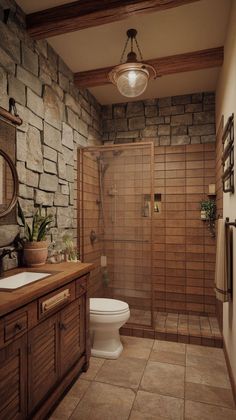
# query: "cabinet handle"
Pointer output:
{"type": "Point", "coordinates": [62, 326]}
{"type": "Point", "coordinates": [56, 300]}
{"type": "Point", "coordinates": [18, 327]}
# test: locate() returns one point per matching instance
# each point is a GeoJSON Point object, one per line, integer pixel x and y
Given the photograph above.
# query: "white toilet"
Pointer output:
{"type": "Point", "coordinates": [106, 318]}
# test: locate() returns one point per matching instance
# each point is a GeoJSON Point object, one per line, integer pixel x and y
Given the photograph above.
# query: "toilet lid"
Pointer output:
{"type": "Point", "coordinates": [107, 306]}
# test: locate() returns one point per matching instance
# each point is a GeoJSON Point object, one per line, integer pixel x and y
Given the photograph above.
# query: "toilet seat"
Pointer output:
{"type": "Point", "coordinates": [102, 306]}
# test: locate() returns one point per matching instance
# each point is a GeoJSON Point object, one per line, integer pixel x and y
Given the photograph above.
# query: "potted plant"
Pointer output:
{"type": "Point", "coordinates": [35, 245]}
{"type": "Point", "coordinates": [208, 213]}
{"type": "Point", "coordinates": [69, 248]}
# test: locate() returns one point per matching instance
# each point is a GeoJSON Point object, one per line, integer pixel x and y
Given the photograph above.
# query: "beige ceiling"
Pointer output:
{"type": "Point", "coordinates": [183, 29]}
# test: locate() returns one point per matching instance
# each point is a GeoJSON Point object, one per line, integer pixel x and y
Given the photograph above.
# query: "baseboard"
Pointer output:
{"type": "Point", "coordinates": [231, 377]}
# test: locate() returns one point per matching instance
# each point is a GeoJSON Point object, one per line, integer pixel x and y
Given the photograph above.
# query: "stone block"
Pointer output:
{"type": "Point", "coordinates": [72, 119]}
{"type": "Point", "coordinates": [64, 69]}
{"type": "Point", "coordinates": [72, 104]}
{"type": "Point", "coordinates": [208, 139]}
{"type": "Point", "coordinates": [164, 140]}
{"type": "Point", "coordinates": [61, 200]}
{"type": "Point", "coordinates": [127, 134]}
{"type": "Point", "coordinates": [65, 189]}
{"type": "Point", "coordinates": [49, 153]}
{"type": "Point", "coordinates": [167, 120]}
{"type": "Point", "coordinates": [34, 160]}
{"type": "Point", "coordinates": [164, 102]}
{"type": "Point", "coordinates": [58, 90]}
{"type": "Point", "coordinates": [109, 125]}
{"type": "Point", "coordinates": [181, 100]}
{"type": "Point", "coordinates": [83, 128]}
{"type": "Point", "coordinates": [62, 172]}
{"type": "Point", "coordinates": [80, 140]}
{"type": "Point", "coordinates": [171, 110]}
{"type": "Point", "coordinates": [27, 207]}
{"type": "Point", "coordinates": [201, 130]}
{"type": "Point", "coordinates": [34, 120]}
{"type": "Point", "coordinates": [21, 146]}
{"type": "Point", "coordinates": [68, 155]}
{"type": "Point", "coordinates": [204, 117]}
{"type": "Point", "coordinates": [54, 108]}
{"type": "Point", "coordinates": [135, 109]}
{"type": "Point", "coordinates": [41, 47]}
{"type": "Point", "coordinates": [119, 110]}
{"type": "Point", "coordinates": [52, 137]}
{"type": "Point", "coordinates": [154, 120]}
{"type": "Point", "coordinates": [50, 167]}
{"type": "Point", "coordinates": [209, 107]}
{"type": "Point", "coordinates": [67, 136]}
{"type": "Point", "coordinates": [35, 103]}
{"type": "Point", "coordinates": [26, 192]}
{"type": "Point", "coordinates": [184, 119]}
{"type": "Point", "coordinates": [65, 217]}
{"type": "Point", "coordinates": [195, 140]}
{"type": "Point", "coordinates": [179, 130]}
{"type": "Point", "coordinates": [86, 117]}
{"type": "Point", "coordinates": [150, 131]}
{"type": "Point", "coordinates": [150, 111]}
{"type": "Point", "coordinates": [106, 112]}
{"type": "Point", "coordinates": [48, 182]}
{"type": "Point", "coordinates": [193, 107]}
{"type": "Point", "coordinates": [30, 60]}
{"type": "Point", "coordinates": [29, 80]}
{"type": "Point", "coordinates": [70, 176]}
{"type": "Point", "coordinates": [10, 42]}
{"type": "Point", "coordinates": [163, 130]}
{"type": "Point", "coordinates": [21, 171]}
{"type": "Point", "coordinates": [196, 97]}
{"type": "Point", "coordinates": [209, 98]}
{"type": "Point", "coordinates": [44, 198]}
{"type": "Point", "coordinates": [16, 90]}
{"type": "Point", "coordinates": [24, 115]}
{"type": "Point", "coordinates": [71, 196]}
{"type": "Point", "coordinates": [180, 140]}
{"type": "Point", "coordinates": [151, 102]}
{"type": "Point", "coordinates": [3, 82]}
{"type": "Point", "coordinates": [47, 70]}
{"type": "Point", "coordinates": [136, 123]}
{"type": "Point", "coordinates": [7, 62]}
{"type": "Point", "coordinates": [64, 82]}
{"type": "Point", "coordinates": [85, 99]}
{"type": "Point", "coordinates": [32, 178]}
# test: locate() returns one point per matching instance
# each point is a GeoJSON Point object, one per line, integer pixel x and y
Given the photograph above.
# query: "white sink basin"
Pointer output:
{"type": "Point", "coordinates": [21, 279]}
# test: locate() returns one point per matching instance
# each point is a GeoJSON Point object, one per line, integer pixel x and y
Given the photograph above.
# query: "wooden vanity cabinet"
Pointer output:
{"type": "Point", "coordinates": [37, 367]}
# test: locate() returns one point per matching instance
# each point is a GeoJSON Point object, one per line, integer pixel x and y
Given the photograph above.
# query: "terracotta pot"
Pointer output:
{"type": "Point", "coordinates": [35, 253]}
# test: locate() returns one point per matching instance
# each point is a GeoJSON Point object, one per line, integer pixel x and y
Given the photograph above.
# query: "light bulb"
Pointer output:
{"type": "Point", "coordinates": [132, 78]}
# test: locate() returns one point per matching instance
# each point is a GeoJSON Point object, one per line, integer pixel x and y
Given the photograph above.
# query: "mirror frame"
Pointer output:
{"type": "Point", "coordinates": [15, 182]}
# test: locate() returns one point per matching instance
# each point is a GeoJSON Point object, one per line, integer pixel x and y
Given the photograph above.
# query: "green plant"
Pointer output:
{"type": "Point", "coordinates": [209, 207]}
{"type": "Point", "coordinates": [40, 225]}
{"type": "Point", "coordinates": [70, 249]}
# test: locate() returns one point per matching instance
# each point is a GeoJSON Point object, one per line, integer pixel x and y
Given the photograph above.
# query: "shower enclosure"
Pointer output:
{"type": "Point", "coordinates": [115, 217]}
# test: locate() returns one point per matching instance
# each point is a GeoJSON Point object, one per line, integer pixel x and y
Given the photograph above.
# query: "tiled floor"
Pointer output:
{"type": "Point", "coordinates": [152, 380]}
{"type": "Point", "coordinates": [186, 328]}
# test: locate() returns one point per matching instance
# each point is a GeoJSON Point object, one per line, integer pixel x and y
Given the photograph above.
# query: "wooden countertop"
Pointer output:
{"type": "Point", "coordinates": [62, 273]}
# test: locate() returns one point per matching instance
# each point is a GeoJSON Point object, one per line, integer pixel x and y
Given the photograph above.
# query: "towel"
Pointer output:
{"type": "Point", "coordinates": [224, 261]}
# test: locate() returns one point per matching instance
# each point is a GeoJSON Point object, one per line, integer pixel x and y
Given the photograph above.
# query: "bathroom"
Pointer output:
{"type": "Point", "coordinates": [131, 196]}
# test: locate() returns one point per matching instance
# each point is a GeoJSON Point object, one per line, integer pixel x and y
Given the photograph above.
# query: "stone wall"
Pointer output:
{"type": "Point", "coordinates": [57, 119]}
{"type": "Point", "coordinates": [177, 120]}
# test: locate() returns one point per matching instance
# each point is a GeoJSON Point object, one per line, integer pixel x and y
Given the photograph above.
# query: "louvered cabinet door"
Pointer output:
{"type": "Point", "coordinates": [72, 334]}
{"type": "Point", "coordinates": [13, 380]}
{"type": "Point", "coordinates": [42, 360]}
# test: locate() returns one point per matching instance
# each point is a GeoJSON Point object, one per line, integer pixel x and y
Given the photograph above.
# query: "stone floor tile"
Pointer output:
{"type": "Point", "coordinates": [70, 401]}
{"type": "Point", "coordinates": [94, 365]}
{"type": "Point", "coordinates": [124, 371]}
{"type": "Point", "coordinates": [152, 406]}
{"type": "Point", "coordinates": [102, 401]}
{"type": "Point", "coordinates": [209, 394]}
{"type": "Point", "coordinates": [200, 411]}
{"type": "Point", "coordinates": [168, 352]}
{"type": "Point", "coordinates": [139, 348]}
{"type": "Point", "coordinates": [211, 374]}
{"type": "Point", "coordinates": [164, 378]}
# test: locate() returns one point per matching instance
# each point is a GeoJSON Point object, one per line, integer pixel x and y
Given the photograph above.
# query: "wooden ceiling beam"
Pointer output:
{"type": "Point", "coordinates": [179, 63]}
{"type": "Point", "coordinates": [84, 14]}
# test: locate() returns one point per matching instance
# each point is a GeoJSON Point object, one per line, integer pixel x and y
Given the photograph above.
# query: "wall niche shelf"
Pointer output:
{"type": "Point", "coordinates": [146, 209]}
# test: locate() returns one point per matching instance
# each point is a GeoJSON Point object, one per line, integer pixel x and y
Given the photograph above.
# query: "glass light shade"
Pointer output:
{"type": "Point", "coordinates": [131, 79]}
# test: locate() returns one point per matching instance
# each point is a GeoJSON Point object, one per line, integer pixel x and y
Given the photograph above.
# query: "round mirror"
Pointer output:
{"type": "Point", "coordinates": [8, 184]}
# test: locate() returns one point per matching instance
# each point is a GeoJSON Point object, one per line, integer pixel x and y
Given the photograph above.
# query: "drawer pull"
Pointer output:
{"type": "Point", "coordinates": [62, 326]}
{"type": "Point", "coordinates": [18, 327]}
{"type": "Point", "coordinates": [56, 300]}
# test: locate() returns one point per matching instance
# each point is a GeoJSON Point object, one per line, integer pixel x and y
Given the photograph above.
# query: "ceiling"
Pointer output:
{"type": "Point", "coordinates": [187, 28]}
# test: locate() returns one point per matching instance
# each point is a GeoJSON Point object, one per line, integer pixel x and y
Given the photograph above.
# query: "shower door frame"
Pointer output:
{"type": "Point", "coordinates": [80, 207]}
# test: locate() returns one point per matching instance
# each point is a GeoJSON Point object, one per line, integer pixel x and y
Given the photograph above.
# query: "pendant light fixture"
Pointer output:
{"type": "Point", "coordinates": [131, 77]}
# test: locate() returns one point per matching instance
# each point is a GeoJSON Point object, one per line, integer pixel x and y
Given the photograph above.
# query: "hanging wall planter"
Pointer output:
{"type": "Point", "coordinates": [208, 213]}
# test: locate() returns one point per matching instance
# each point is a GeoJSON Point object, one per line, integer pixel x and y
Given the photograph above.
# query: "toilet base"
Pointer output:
{"type": "Point", "coordinates": [106, 344]}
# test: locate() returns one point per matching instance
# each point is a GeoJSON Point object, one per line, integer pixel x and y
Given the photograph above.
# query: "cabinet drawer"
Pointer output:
{"type": "Point", "coordinates": [53, 301]}
{"type": "Point", "coordinates": [14, 325]}
{"type": "Point", "coordinates": [81, 285]}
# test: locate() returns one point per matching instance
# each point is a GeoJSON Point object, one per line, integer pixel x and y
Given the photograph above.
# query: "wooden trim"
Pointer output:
{"type": "Point", "coordinates": [10, 117]}
{"type": "Point", "coordinates": [231, 377]}
{"type": "Point", "coordinates": [84, 14]}
{"type": "Point", "coordinates": [196, 60]}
